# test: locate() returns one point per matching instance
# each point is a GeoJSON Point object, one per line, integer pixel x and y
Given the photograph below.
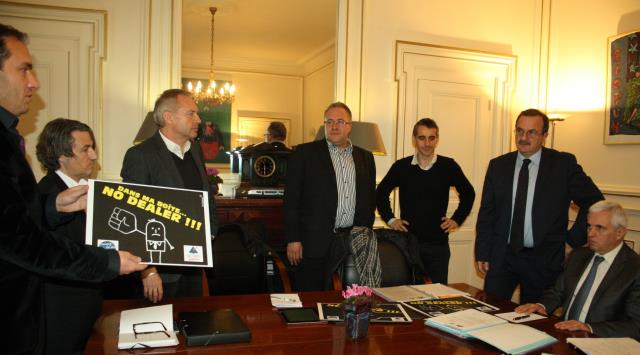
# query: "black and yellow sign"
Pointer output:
{"type": "Point", "coordinates": [163, 226]}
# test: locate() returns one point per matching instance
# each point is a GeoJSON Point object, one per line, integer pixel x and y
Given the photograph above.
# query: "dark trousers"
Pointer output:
{"type": "Point", "coordinates": [188, 285]}
{"type": "Point", "coordinates": [435, 258]}
{"type": "Point", "coordinates": [518, 268]}
{"type": "Point", "coordinates": [311, 275]}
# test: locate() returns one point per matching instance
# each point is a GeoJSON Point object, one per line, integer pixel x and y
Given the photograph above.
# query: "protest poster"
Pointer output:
{"type": "Point", "coordinates": [162, 225]}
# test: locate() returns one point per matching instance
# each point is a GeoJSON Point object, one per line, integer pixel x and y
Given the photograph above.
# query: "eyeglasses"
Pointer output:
{"type": "Point", "coordinates": [339, 122]}
{"type": "Point", "coordinates": [148, 329]}
{"type": "Point", "coordinates": [530, 133]}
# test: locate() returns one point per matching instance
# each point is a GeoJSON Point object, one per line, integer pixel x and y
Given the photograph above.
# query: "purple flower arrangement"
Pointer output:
{"type": "Point", "coordinates": [213, 174]}
{"type": "Point", "coordinates": [358, 298]}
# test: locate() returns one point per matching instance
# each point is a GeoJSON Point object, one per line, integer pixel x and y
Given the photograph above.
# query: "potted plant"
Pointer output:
{"type": "Point", "coordinates": [214, 180]}
{"type": "Point", "coordinates": [357, 304]}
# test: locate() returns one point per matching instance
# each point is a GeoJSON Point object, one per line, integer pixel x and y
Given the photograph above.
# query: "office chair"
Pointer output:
{"type": "Point", "coordinates": [396, 268]}
{"type": "Point", "coordinates": [244, 264]}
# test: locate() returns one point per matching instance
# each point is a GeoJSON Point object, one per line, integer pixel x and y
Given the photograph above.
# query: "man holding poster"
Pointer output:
{"type": "Point", "coordinates": [171, 158]}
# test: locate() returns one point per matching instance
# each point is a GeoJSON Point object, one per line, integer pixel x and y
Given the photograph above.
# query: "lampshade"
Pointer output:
{"type": "Point", "coordinates": [365, 135]}
{"type": "Point", "coordinates": [147, 129]}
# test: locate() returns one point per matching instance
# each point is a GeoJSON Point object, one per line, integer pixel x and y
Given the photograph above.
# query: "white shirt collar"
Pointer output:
{"type": "Point", "coordinates": [69, 181]}
{"type": "Point", "coordinates": [174, 147]}
{"type": "Point", "coordinates": [535, 158]}
{"type": "Point", "coordinates": [608, 257]}
{"type": "Point", "coordinates": [415, 161]}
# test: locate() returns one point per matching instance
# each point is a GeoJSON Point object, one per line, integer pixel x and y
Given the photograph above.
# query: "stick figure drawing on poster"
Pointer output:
{"type": "Point", "coordinates": [155, 232]}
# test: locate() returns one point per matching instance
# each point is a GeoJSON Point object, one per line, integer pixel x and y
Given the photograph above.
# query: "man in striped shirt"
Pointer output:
{"type": "Point", "coordinates": [330, 188]}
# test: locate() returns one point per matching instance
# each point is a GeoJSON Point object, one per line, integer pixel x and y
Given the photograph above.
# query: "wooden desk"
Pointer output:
{"type": "Point", "coordinates": [266, 210]}
{"type": "Point", "coordinates": [271, 335]}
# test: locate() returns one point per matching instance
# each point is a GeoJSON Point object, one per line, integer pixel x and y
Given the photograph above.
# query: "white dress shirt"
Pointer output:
{"type": "Point", "coordinates": [603, 268]}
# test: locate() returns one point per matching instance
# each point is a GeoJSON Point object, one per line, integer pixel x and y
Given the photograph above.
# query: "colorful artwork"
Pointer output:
{"type": "Point", "coordinates": [623, 94]}
{"type": "Point", "coordinates": [215, 130]}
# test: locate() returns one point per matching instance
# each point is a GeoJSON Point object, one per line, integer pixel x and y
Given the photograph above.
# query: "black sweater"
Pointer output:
{"type": "Point", "coordinates": [424, 196]}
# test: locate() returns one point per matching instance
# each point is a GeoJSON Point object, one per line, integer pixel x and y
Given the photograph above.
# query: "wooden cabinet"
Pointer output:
{"type": "Point", "coordinates": [268, 211]}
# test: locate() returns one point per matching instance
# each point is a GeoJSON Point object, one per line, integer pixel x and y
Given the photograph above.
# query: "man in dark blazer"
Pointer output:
{"type": "Point", "coordinates": [171, 158]}
{"type": "Point", "coordinates": [67, 150]}
{"type": "Point", "coordinates": [27, 251]}
{"type": "Point", "coordinates": [330, 188]}
{"type": "Point", "coordinates": [526, 245]}
{"type": "Point", "coordinates": [609, 304]}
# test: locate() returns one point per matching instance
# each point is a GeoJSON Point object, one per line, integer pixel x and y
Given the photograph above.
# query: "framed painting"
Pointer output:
{"type": "Point", "coordinates": [215, 131]}
{"type": "Point", "coordinates": [622, 114]}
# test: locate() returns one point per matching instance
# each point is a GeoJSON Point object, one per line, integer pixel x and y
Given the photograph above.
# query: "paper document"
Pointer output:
{"type": "Point", "coordinates": [606, 346]}
{"type": "Point", "coordinates": [286, 300]}
{"type": "Point", "coordinates": [514, 338]}
{"type": "Point", "coordinates": [465, 321]}
{"type": "Point", "coordinates": [147, 327]}
{"type": "Point", "coordinates": [439, 290]}
{"type": "Point", "coordinates": [514, 317]}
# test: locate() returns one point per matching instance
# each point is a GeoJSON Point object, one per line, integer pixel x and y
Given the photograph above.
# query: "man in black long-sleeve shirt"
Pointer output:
{"type": "Point", "coordinates": [424, 180]}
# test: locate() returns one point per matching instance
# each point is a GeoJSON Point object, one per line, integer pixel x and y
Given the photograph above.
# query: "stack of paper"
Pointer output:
{"type": "Point", "coordinates": [286, 300]}
{"type": "Point", "coordinates": [510, 338]}
{"type": "Point", "coordinates": [147, 327]}
{"type": "Point", "coordinates": [408, 293]}
{"type": "Point", "coordinates": [606, 346]}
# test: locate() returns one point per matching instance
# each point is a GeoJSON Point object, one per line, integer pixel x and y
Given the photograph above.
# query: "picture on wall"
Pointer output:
{"type": "Point", "coordinates": [215, 130]}
{"type": "Point", "coordinates": [622, 113]}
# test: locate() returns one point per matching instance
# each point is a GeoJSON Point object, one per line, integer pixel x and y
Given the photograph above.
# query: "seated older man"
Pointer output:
{"type": "Point", "coordinates": [599, 290]}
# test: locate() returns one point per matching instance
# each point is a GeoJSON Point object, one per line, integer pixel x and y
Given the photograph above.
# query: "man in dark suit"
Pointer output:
{"type": "Point", "coordinates": [67, 150]}
{"type": "Point", "coordinates": [330, 188]}
{"type": "Point", "coordinates": [171, 158]}
{"type": "Point", "coordinates": [27, 251]}
{"type": "Point", "coordinates": [599, 290]}
{"type": "Point", "coordinates": [523, 217]}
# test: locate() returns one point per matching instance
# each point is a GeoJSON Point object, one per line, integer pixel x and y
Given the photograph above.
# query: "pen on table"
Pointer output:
{"type": "Point", "coordinates": [521, 317]}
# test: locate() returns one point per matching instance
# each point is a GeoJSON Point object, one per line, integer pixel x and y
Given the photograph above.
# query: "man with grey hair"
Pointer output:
{"type": "Point", "coordinates": [172, 158]}
{"type": "Point", "coordinates": [599, 290]}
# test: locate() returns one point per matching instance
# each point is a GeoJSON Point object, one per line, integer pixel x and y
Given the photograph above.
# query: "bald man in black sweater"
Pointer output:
{"type": "Point", "coordinates": [424, 180]}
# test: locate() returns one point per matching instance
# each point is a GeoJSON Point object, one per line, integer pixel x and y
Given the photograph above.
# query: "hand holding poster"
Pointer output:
{"type": "Point", "coordinates": [164, 226]}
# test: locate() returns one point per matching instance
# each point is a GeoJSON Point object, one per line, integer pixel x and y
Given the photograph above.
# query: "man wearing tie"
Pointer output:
{"type": "Point", "coordinates": [600, 288]}
{"type": "Point", "coordinates": [523, 217]}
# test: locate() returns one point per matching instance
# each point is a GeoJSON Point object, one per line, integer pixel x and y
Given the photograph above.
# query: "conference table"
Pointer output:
{"type": "Point", "coordinates": [271, 335]}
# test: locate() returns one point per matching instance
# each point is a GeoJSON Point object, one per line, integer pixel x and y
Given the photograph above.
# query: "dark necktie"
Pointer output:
{"type": "Point", "coordinates": [581, 296]}
{"type": "Point", "coordinates": [520, 207]}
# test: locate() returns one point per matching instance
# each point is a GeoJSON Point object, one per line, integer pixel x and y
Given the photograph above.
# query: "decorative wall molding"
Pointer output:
{"type": "Point", "coordinates": [87, 29]}
{"type": "Point", "coordinates": [620, 190]}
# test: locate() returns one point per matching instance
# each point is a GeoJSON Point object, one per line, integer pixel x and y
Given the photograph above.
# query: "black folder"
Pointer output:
{"type": "Point", "coordinates": [219, 326]}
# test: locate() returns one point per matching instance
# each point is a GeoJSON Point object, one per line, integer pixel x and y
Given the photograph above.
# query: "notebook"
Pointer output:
{"type": "Point", "coordinates": [147, 327]}
{"type": "Point", "coordinates": [510, 338]}
{"type": "Point", "coordinates": [219, 326]}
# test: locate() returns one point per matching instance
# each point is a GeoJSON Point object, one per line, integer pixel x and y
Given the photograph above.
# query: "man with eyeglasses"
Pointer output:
{"type": "Point", "coordinates": [424, 180]}
{"type": "Point", "coordinates": [599, 292]}
{"type": "Point", "coordinates": [330, 188]}
{"type": "Point", "coordinates": [524, 212]}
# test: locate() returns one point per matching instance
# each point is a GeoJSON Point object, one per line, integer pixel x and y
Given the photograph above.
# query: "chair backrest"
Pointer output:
{"type": "Point", "coordinates": [235, 270]}
{"type": "Point", "coordinates": [396, 270]}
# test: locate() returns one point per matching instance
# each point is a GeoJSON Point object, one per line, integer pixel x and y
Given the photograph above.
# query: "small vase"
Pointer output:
{"type": "Point", "coordinates": [356, 324]}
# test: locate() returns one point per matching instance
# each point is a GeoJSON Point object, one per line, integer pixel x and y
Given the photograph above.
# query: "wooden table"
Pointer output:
{"type": "Point", "coordinates": [271, 335]}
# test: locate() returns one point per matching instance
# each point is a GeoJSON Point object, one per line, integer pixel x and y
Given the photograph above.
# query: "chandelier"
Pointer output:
{"type": "Point", "coordinates": [211, 95]}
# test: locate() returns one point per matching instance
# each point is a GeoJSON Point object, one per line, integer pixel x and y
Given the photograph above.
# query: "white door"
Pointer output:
{"type": "Point", "coordinates": [468, 95]}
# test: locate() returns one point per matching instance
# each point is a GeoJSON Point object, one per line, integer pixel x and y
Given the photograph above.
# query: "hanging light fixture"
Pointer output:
{"type": "Point", "coordinates": [211, 95]}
